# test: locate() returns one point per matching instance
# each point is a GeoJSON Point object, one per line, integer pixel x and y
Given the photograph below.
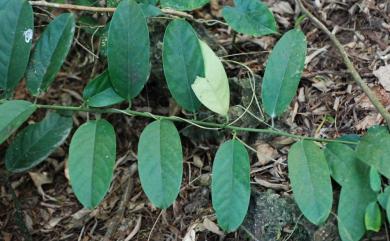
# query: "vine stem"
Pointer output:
{"type": "Point", "coordinates": [101, 9]}
{"type": "Point", "coordinates": [197, 123]}
{"type": "Point", "coordinates": [352, 70]}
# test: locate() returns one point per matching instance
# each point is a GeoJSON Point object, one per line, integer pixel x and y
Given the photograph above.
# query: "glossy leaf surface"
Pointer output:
{"type": "Point", "coordinates": [37, 141]}
{"type": "Point", "coordinates": [99, 92]}
{"type": "Point", "coordinates": [17, 112]}
{"type": "Point", "coordinates": [50, 53]}
{"type": "Point", "coordinates": [17, 26]}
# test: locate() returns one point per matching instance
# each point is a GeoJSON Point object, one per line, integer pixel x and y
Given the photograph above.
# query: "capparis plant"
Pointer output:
{"type": "Point", "coordinates": [196, 78]}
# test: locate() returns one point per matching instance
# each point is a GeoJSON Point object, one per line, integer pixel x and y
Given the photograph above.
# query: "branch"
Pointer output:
{"type": "Point", "coordinates": [101, 9]}
{"type": "Point", "coordinates": [199, 124]}
{"type": "Point", "coordinates": [352, 70]}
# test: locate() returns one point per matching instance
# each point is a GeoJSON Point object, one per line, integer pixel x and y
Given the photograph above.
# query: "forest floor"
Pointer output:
{"type": "Point", "coordinates": [328, 104]}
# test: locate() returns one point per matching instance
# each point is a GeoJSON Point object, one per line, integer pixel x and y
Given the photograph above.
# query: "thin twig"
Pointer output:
{"type": "Point", "coordinates": [202, 124]}
{"type": "Point", "coordinates": [122, 206]}
{"type": "Point", "coordinates": [101, 9]}
{"type": "Point", "coordinates": [352, 70]}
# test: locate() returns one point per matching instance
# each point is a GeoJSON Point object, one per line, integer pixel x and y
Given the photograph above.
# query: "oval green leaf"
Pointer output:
{"type": "Point", "coordinates": [340, 158]}
{"type": "Point", "coordinates": [18, 111]}
{"type": "Point", "coordinates": [213, 89]}
{"type": "Point", "coordinates": [373, 217]}
{"type": "Point", "coordinates": [160, 162]}
{"type": "Point", "coordinates": [355, 195]}
{"type": "Point", "coordinates": [17, 26]}
{"type": "Point", "coordinates": [310, 180]}
{"type": "Point", "coordinates": [128, 50]}
{"type": "Point", "coordinates": [375, 180]}
{"type": "Point", "coordinates": [99, 92]}
{"type": "Point", "coordinates": [184, 5]}
{"type": "Point", "coordinates": [183, 62]}
{"type": "Point", "coordinates": [230, 187]}
{"type": "Point", "coordinates": [36, 142]}
{"type": "Point", "coordinates": [50, 53]}
{"type": "Point", "coordinates": [250, 17]}
{"type": "Point", "coordinates": [374, 149]}
{"type": "Point", "coordinates": [283, 72]}
{"type": "Point", "coordinates": [383, 197]}
{"type": "Point", "coordinates": [92, 155]}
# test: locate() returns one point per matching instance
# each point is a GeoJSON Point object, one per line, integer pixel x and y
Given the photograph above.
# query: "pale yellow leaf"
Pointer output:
{"type": "Point", "coordinates": [213, 89]}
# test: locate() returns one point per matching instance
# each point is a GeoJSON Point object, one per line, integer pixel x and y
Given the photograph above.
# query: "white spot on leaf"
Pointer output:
{"type": "Point", "coordinates": [28, 35]}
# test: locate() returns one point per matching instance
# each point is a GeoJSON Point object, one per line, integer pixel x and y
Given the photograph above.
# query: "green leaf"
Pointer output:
{"type": "Point", "coordinates": [160, 162]}
{"type": "Point", "coordinates": [184, 5]}
{"type": "Point", "coordinates": [354, 198]}
{"type": "Point", "coordinates": [340, 158]}
{"type": "Point", "coordinates": [17, 112]}
{"type": "Point", "coordinates": [356, 193]}
{"type": "Point", "coordinates": [373, 217]}
{"type": "Point", "coordinates": [37, 141]}
{"type": "Point", "coordinates": [374, 149]}
{"type": "Point", "coordinates": [92, 155]}
{"type": "Point", "coordinates": [150, 10]}
{"type": "Point", "coordinates": [250, 17]}
{"type": "Point", "coordinates": [375, 180]}
{"type": "Point", "coordinates": [17, 26]}
{"type": "Point", "coordinates": [128, 50]}
{"type": "Point", "coordinates": [388, 209]}
{"type": "Point", "coordinates": [50, 53]}
{"type": "Point", "coordinates": [283, 72]}
{"type": "Point", "coordinates": [310, 180]}
{"type": "Point", "coordinates": [213, 89]}
{"type": "Point", "coordinates": [383, 197]}
{"type": "Point", "coordinates": [230, 187]}
{"type": "Point", "coordinates": [183, 62]}
{"type": "Point", "coordinates": [99, 92]}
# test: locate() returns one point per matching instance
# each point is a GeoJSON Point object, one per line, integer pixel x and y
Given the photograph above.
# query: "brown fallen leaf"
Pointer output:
{"type": "Point", "coordinates": [368, 121]}
{"type": "Point", "coordinates": [265, 152]}
{"type": "Point", "coordinates": [40, 179]}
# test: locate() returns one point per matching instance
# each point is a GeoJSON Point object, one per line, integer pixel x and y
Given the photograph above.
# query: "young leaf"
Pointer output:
{"type": "Point", "coordinates": [160, 162]}
{"type": "Point", "coordinates": [375, 180]}
{"type": "Point", "coordinates": [250, 17]}
{"type": "Point", "coordinates": [17, 112]}
{"type": "Point", "coordinates": [50, 53]}
{"type": "Point", "coordinates": [17, 25]}
{"type": "Point", "coordinates": [99, 92]}
{"type": "Point", "coordinates": [36, 142]}
{"type": "Point", "coordinates": [340, 158]}
{"type": "Point", "coordinates": [310, 181]}
{"type": "Point", "coordinates": [230, 187]}
{"type": "Point", "coordinates": [128, 50]}
{"type": "Point", "coordinates": [283, 72]}
{"type": "Point", "coordinates": [92, 155]}
{"type": "Point", "coordinates": [373, 217]}
{"type": "Point", "coordinates": [184, 5]}
{"type": "Point", "coordinates": [374, 150]}
{"type": "Point", "coordinates": [213, 89]}
{"type": "Point", "coordinates": [183, 62]}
